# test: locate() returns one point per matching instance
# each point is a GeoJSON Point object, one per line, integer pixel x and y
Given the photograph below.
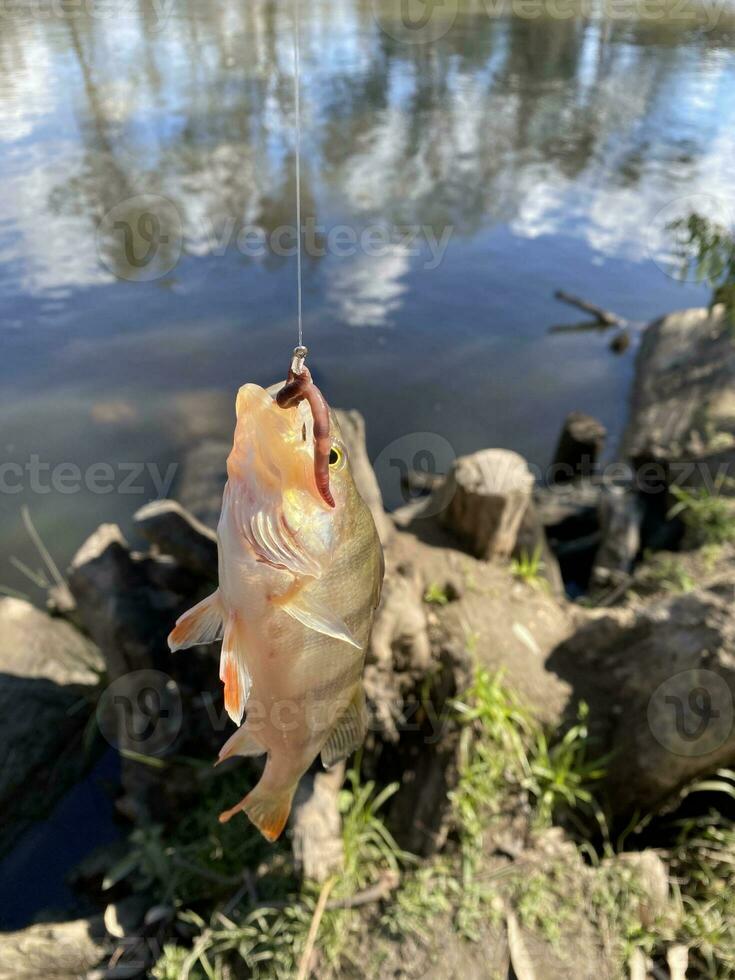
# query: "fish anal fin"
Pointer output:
{"type": "Point", "coordinates": [233, 669]}
{"type": "Point", "coordinates": [348, 733]}
{"type": "Point", "coordinates": [201, 624]}
{"type": "Point", "coordinates": [267, 810]}
{"type": "Point", "coordinates": [243, 742]}
{"type": "Point", "coordinates": [316, 616]}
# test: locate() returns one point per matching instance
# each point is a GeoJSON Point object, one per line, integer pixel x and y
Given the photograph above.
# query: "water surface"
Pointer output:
{"type": "Point", "coordinates": [543, 153]}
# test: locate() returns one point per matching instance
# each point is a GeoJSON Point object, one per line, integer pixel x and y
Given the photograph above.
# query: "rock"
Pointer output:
{"type": "Point", "coordinates": [660, 682]}
{"type": "Point", "coordinates": [352, 428]}
{"type": "Point", "coordinates": [62, 950]}
{"type": "Point", "coordinates": [620, 342]}
{"type": "Point", "coordinates": [683, 403]}
{"type": "Point", "coordinates": [316, 824]}
{"type": "Point", "coordinates": [154, 705]}
{"type": "Point", "coordinates": [174, 531]}
{"type": "Point", "coordinates": [123, 918]}
{"type": "Point", "coordinates": [202, 480]}
{"type": "Point", "coordinates": [128, 619]}
{"type": "Point", "coordinates": [60, 602]}
{"type": "Point", "coordinates": [652, 876]}
{"type": "Point", "coordinates": [483, 501]}
{"type": "Point", "coordinates": [580, 445]}
{"type": "Point", "coordinates": [620, 517]}
{"type": "Point", "coordinates": [47, 669]}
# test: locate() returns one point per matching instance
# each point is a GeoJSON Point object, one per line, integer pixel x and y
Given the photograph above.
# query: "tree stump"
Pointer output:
{"type": "Point", "coordinates": [483, 501]}
{"type": "Point", "coordinates": [580, 444]}
{"type": "Point", "coordinates": [620, 516]}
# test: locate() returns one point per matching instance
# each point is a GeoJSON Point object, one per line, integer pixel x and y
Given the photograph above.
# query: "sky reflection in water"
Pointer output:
{"type": "Point", "coordinates": [548, 153]}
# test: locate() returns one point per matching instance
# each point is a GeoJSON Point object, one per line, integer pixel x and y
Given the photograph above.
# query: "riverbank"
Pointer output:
{"type": "Point", "coordinates": [536, 785]}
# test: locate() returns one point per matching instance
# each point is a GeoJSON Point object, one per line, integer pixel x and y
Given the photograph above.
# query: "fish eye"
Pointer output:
{"type": "Point", "coordinates": [335, 456]}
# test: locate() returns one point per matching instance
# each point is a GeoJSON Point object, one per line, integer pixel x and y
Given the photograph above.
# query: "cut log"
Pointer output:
{"type": "Point", "coordinates": [352, 428]}
{"type": "Point", "coordinates": [483, 501]}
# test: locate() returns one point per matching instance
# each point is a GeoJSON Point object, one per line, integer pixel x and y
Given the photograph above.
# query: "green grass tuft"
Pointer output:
{"type": "Point", "coordinates": [435, 595]}
{"type": "Point", "coordinates": [529, 568]}
{"type": "Point", "coordinates": [706, 513]}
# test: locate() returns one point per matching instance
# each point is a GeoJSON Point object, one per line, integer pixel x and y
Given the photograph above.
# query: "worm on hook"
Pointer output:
{"type": "Point", "coordinates": [299, 386]}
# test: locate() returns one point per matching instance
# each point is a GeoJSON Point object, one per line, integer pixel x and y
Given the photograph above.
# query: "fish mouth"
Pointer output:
{"type": "Point", "coordinates": [274, 446]}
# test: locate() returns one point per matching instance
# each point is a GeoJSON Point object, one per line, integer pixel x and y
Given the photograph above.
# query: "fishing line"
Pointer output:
{"type": "Point", "coordinates": [297, 112]}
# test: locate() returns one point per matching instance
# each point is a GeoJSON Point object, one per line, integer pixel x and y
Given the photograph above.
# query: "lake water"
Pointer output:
{"type": "Point", "coordinates": [147, 176]}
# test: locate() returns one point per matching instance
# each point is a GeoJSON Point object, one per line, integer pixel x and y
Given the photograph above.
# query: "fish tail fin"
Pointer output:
{"type": "Point", "coordinates": [201, 624]}
{"type": "Point", "coordinates": [233, 669]}
{"type": "Point", "coordinates": [267, 809]}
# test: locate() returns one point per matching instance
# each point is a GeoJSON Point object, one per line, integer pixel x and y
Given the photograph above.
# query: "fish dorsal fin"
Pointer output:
{"type": "Point", "coordinates": [316, 616]}
{"type": "Point", "coordinates": [233, 669]}
{"type": "Point", "coordinates": [243, 742]}
{"type": "Point", "coordinates": [349, 732]}
{"type": "Point", "coordinates": [275, 544]}
{"type": "Point", "coordinates": [201, 624]}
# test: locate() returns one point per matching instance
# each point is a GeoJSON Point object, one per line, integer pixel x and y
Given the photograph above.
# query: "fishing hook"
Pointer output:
{"type": "Point", "coordinates": [299, 386]}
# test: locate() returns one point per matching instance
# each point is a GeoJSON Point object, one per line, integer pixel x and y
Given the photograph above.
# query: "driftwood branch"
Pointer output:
{"type": "Point", "coordinates": [305, 964]}
{"type": "Point", "coordinates": [603, 318]}
{"type": "Point", "coordinates": [373, 893]}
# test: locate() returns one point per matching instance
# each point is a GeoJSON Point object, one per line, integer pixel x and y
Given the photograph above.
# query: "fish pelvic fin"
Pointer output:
{"type": "Point", "coordinates": [348, 733]}
{"type": "Point", "coordinates": [243, 742]}
{"type": "Point", "coordinates": [233, 669]}
{"type": "Point", "coordinates": [316, 616]}
{"type": "Point", "coordinates": [201, 624]}
{"type": "Point", "coordinates": [269, 811]}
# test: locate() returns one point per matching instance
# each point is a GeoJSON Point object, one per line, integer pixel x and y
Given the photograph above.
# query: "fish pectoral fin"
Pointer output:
{"type": "Point", "coordinates": [243, 743]}
{"type": "Point", "coordinates": [349, 732]}
{"type": "Point", "coordinates": [233, 669]}
{"type": "Point", "coordinates": [274, 543]}
{"type": "Point", "coordinates": [201, 624]}
{"type": "Point", "coordinates": [314, 614]}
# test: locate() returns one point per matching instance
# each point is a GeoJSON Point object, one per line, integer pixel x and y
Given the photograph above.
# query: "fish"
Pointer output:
{"type": "Point", "coordinates": [300, 574]}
